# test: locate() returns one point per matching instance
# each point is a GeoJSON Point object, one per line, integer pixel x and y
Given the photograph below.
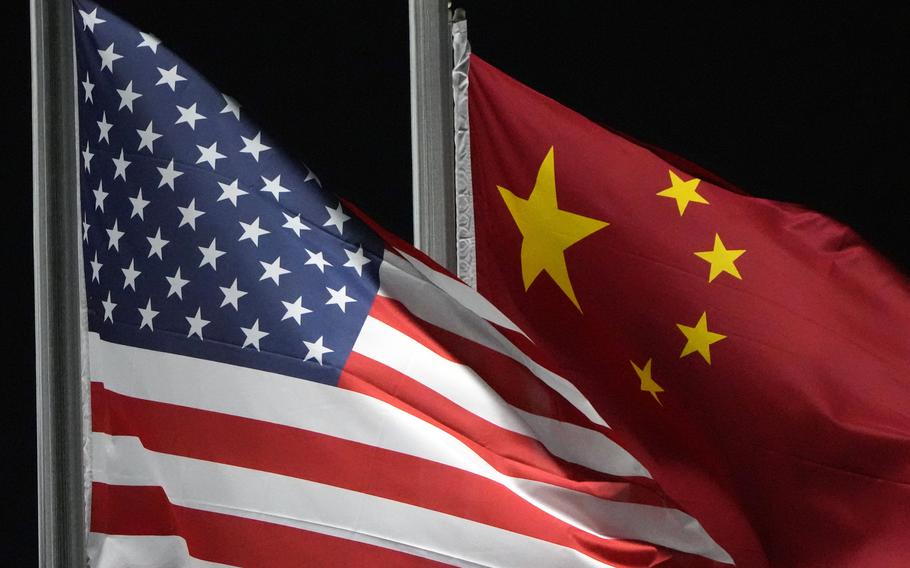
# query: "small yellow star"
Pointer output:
{"type": "Point", "coordinates": [721, 259]}
{"type": "Point", "coordinates": [684, 192]}
{"type": "Point", "coordinates": [647, 383]}
{"type": "Point", "coordinates": [546, 230]}
{"type": "Point", "coordinates": [699, 339]}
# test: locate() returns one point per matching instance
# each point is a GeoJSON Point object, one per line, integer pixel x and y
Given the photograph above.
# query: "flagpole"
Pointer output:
{"type": "Point", "coordinates": [57, 319]}
{"type": "Point", "coordinates": [432, 127]}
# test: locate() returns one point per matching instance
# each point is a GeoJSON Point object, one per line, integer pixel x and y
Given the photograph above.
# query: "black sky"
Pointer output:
{"type": "Point", "coordinates": [803, 104]}
{"type": "Point", "coordinates": [793, 103]}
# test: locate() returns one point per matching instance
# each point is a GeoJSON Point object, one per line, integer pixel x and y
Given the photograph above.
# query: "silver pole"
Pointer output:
{"type": "Point", "coordinates": [432, 125]}
{"type": "Point", "coordinates": [55, 239]}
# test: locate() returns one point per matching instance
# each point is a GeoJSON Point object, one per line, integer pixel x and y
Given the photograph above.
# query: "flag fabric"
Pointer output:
{"type": "Point", "coordinates": [755, 355]}
{"type": "Point", "coordinates": [274, 381]}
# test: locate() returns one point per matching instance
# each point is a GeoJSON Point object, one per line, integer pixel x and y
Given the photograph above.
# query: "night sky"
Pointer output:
{"type": "Point", "coordinates": [790, 103]}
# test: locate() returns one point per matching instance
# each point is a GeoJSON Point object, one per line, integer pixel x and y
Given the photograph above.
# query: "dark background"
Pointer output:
{"type": "Point", "coordinates": [802, 104]}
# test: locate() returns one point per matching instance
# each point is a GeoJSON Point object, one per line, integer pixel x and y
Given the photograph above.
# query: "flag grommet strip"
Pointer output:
{"type": "Point", "coordinates": [464, 190]}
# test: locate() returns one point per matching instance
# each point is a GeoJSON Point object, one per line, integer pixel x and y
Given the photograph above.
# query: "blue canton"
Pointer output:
{"type": "Point", "coordinates": [199, 237]}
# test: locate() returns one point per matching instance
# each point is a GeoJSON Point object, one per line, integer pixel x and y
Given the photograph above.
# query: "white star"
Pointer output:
{"type": "Point", "coordinates": [88, 86]}
{"type": "Point", "coordinates": [190, 214]}
{"type": "Point", "coordinates": [315, 350]}
{"type": "Point", "coordinates": [139, 205]}
{"type": "Point", "coordinates": [230, 191]}
{"type": "Point", "coordinates": [100, 196]}
{"type": "Point", "coordinates": [129, 275]}
{"type": "Point", "coordinates": [96, 269]}
{"type": "Point", "coordinates": [156, 244]}
{"type": "Point", "coordinates": [253, 335]}
{"type": "Point", "coordinates": [89, 19]}
{"type": "Point", "coordinates": [104, 127]}
{"type": "Point", "coordinates": [177, 283]}
{"type": "Point", "coordinates": [356, 260]}
{"type": "Point", "coordinates": [114, 234]}
{"type": "Point", "coordinates": [317, 259]}
{"type": "Point", "coordinates": [232, 295]}
{"type": "Point", "coordinates": [337, 217]}
{"type": "Point", "coordinates": [170, 77]}
{"type": "Point", "coordinates": [127, 96]}
{"type": "Point", "coordinates": [209, 155]}
{"type": "Point", "coordinates": [87, 158]}
{"type": "Point", "coordinates": [147, 137]}
{"type": "Point", "coordinates": [273, 270]}
{"type": "Point", "coordinates": [189, 115]}
{"type": "Point", "coordinates": [196, 324]}
{"type": "Point", "coordinates": [169, 175]}
{"type": "Point", "coordinates": [231, 106]}
{"type": "Point", "coordinates": [108, 307]}
{"type": "Point", "coordinates": [294, 224]}
{"type": "Point", "coordinates": [252, 231]}
{"type": "Point", "coordinates": [108, 57]}
{"type": "Point", "coordinates": [120, 165]}
{"type": "Point", "coordinates": [295, 310]}
{"type": "Point", "coordinates": [148, 314]}
{"type": "Point", "coordinates": [339, 297]}
{"type": "Point", "coordinates": [253, 146]}
{"type": "Point", "coordinates": [273, 186]}
{"type": "Point", "coordinates": [85, 227]}
{"type": "Point", "coordinates": [311, 176]}
{"type": "Point", "coordinates": [210, 255]}
{"type": "Point", "coordinates": [149, 41]}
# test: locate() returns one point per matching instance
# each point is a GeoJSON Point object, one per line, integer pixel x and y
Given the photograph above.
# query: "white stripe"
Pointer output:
{"type": "Point", "coordinates": [402, 281]}
{"type": "Point", "coordinates": [302, 504]}
{"type": "Point", "coordinates": [119, 551]}
{"type": "Point", "coordinates": [463, 294]}
{"type": "Point", "coordinates": [307, 405]}
{"type": "Point", "coordinates": [459, 383]}
{"type": "Point", "coordinates": [583, 446]}
{"type": "Point", "coordinates": [463, 386]}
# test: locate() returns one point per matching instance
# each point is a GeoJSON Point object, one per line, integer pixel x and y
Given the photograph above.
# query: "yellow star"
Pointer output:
{"type": "Point", "coordinates": [699, 339]}
{"type": "Point", "coordinates": [546, 230]}
{"type": "Point", "coordinates": [684, 192]}
{"type": "Point", "coordinates": [647, 383]}
{"type": "Point", "coordinates": [721, 259]}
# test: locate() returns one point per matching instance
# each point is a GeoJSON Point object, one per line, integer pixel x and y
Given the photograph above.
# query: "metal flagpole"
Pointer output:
{"type": "Point", "coordinates": [61, 523]}
{"type": "Point", "coordinates": [432, 125]}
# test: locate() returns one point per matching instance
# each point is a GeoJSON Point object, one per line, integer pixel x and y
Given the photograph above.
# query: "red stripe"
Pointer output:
{"type": "Point", "coordinates": [216, 537]}
{"type": "Point", "coordinates": [275, 448]}
{"type": "Point", "coordinates": [513, 454]}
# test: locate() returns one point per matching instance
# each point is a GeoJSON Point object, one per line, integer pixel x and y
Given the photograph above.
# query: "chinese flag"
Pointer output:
{"type": "Point", "coordinates": [754, 354]}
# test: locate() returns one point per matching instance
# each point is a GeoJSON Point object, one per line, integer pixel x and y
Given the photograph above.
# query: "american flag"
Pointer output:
{"type": "Point", "coordinates": [276, 382]}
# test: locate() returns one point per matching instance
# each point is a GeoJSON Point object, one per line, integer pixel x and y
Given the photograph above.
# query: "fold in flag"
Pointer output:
{"type": "Point", "coordinates": [275, 382]}
{"type": "Point", "coordinates": [754, 355]}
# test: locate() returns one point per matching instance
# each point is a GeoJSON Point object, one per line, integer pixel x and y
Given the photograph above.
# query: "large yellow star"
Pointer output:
{"type": "Point", "coordinates": [546, 230]}
{"type": "Point", "coordinates": [721, 259]}
{"type": "Point", "coordinates": [699, 339]}
{"type": "Point", "coordinates": [684, 192]}
{"type": "Point", "coordinates": [647, 383]}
